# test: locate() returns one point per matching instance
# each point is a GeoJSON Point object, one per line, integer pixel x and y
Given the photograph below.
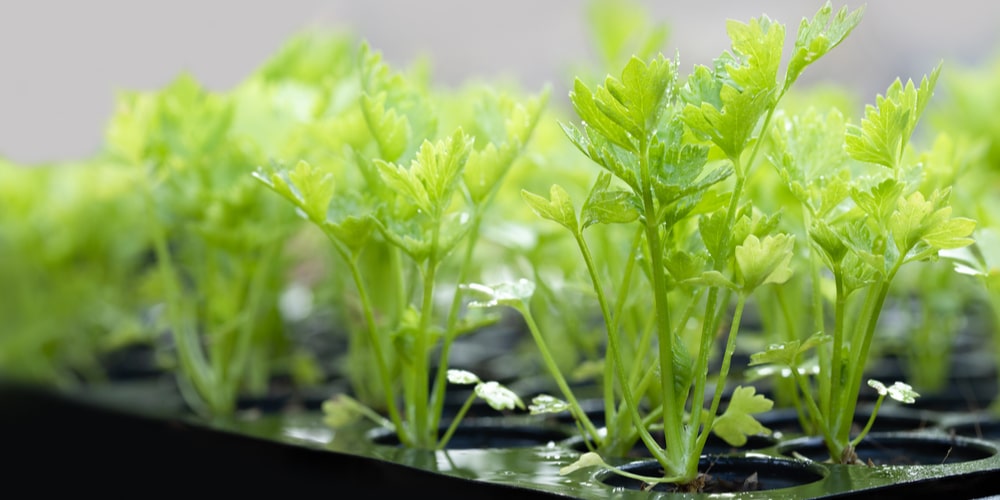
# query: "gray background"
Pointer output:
{"type": "Point", "coordinates": [62, 61]}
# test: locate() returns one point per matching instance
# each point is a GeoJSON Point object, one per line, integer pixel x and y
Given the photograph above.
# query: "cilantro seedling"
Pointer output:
{"type": "Point", "coordinates": [864, 219]}
{"type": "Point", "coordinates": [676, 157]}
{"type": "Point", "coordinates": [413, 232]}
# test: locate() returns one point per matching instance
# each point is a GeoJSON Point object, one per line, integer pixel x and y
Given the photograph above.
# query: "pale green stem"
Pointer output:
{"type": "Point", "coordinates": [871, 421]}
{"type": "Point", "coordinates": [817, 415]}
{"type": "Point", "coordinates": [674, 453]}
{"type": "Point", "coordinates": [440, 378]}
{"type": "Point", "coordinates": [610, 413]}
{"type": "Point", "coordinates": [615, 348]}
{"type": "Point", "coordinates": [836, 378]}
{"type": "Point", "coordinates": [455, 421]}
{"type": "Point", "coordinates": [720, 384]}
{"type": "Point", "coordinates": [553, 368]}
{"type": "Point", "coordinates": [258, 286]}
{"type": "Point", "coordinates": [192, 359]}
{"type": "Point", "coordinates": [862, 354]}
{"type": "Point", "coordinates": [425, 435]}
{"type": "Point", "coordinates": [713, 315]}
{"type": "Point", "coordinates": [376, 340]}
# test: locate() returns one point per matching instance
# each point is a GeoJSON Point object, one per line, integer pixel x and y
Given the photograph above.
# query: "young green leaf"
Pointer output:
{"type": "Point", "coordinates": [589, 459]}
{"type": "Point", "coordinates": [830, 243]}
{"type": "Point", "coordinates": [818, 36]}
{"type": "Point", "coordinates": [899, 391]}
{"type": "Point", "coordinates": [677, 168]}
{"type": "Point", "coordinates": [354, 231]}
{"type": "Point", "coordinates": [715, 231]}
{"type": "Point", "coordinates": [558, 208]}
{"type": "Point", "coordinates": [407, 181]}
{"type": "Point", "coordinates": [505, 294]}
{"type": "Point", "coordinates": [788, 353]}
{"type": "Point", "coordinates": [764, 261]}
{"type": "Point", "coordinates": [712, 279]}
{"type": "Point", "coordinates": [724, 107]}
{"type": "Point", "coordinates": [504, 125]}
{"type": "Point", "coordinates": [307, 187]}
{"type": "Point", "coordinates": [919, 221]}
{"type": "Point", "coordinates": [390, 129]}
{"type": "Point", "coordinates": [737, 422]}
{"type": "Point", "coordinates": [462, 377]}
{"type": "Point", "coordinates": [757, 47]}
{"type": "Point", "coordinates": [616, 160]}
{"type": "Point", "coordinates": [886, 128]}
{"type": "Point", "coordinates": [637, 101]}
{"type": "Point", "coordinates": [587, 109]}
{"type": "Point", "coordinates": [408, 102]}
{"type": "Point", "coordinates": [498, 396]}
{"type": "Point", "coordinates": [485, 167]}
{"type": "Point", "coordinates": [684, 266]}
{"type": "Point", "coordinates": [344, 410]}
{"type": "Point", "coordinates": [544, 403]}
{"type": "Point", "coordinates": [607, 206]}
{"type": "Point", "coordinates": [808, 151]}
{"type": "Point", "coordinates": [430, 179]}
{"type": "Point", "coordinates": [880, 200]}
{"type": "Point", "coordinates": [945, 232]}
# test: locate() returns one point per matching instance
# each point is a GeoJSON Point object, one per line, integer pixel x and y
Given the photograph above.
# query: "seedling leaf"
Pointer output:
{"type": "Point", "coordinates": [899, 391]}
{"type": "Point", "coordinates": [886, 127]}
{"type": "Point", "coordinates": [607, 206]}
{"type": "Point", "coordinates": [765, 261]}
{"type": "Point", "coordinates": [462, 377]}
{"type": "Point", "coordinates": [498, 396]}
{"type": "Point", "coordinates": [787, 353]}
{"type": "Point", "coordinates": [505, 294]}
{"type": "Point", "coordinates": [558, 208]}
{"type": "Point", "coordinates": [818, 36]}
{"type": "Point", "coordinates": [589, 459]}
{"type": "Point", "coordinates": [545, 403]}
{"type": "Point", "coordinates": [737, 422]}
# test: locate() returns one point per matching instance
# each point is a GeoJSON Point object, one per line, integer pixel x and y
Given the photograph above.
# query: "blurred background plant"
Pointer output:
{"type": "Point", "coordinates": [73, 250]}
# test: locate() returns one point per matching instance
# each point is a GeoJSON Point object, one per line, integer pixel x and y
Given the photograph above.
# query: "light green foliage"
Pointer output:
{"type": "Point", "coordinates": [218, 236]}
{"type": "Point", "coordinates": [811, 159]}
{"type": "Point", "coordinates": [505, 294]}
{"type": "Point", "coordinates": [887, 126]}
{"type": "Point", "coordinates": [589, 459]}
{"type": "Point", "coordinates": [818, 36]}
{"type": "Point", "coordinates": [863, 223]}
{"type": "Point", "coordinates": [72, 257]}
{"type": "Point", "coordinates": [558, 208]}
{"type": "Point", "coordinates": [498, 396]}
{"type": "Point", "coordinates": [965, 117]}
{"type": "Point", "coordinates": [429, 181]}
{"type": "Point", "coordinates": [898, 390]}
{"type": "Point", "coordinates": [676, 156]}
{"type": "Point", "coordinates": [605, 205]}
{"type": "Point", "coordinates": [761, 262]}
{"type": "Point", "coordinates": [919, 226]}
{"type": "Point", "coordinates": [967, 112]}
{"type": "Point", "coordinates": [415, 228]}
{"type": "Point", "coordinates": [737, 422]}
{"type": "Point", "coordinates": [545, 403]}
{"type": "Point", "coordinates": [390, 129]}
{"type": "Point", "coordinates": [725, 106]}
{"type": "Point", "coordinates": [676, 232]}
{"type": "Point", "coordinates": [312, 192]}
{"type": "Point", "coordinates": [789, 353]}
